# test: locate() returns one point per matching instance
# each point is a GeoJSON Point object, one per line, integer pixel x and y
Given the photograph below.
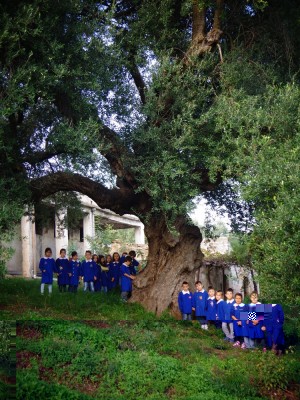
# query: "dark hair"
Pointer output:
{"type": "Point", "coordinates": [229, 290]}
{"type": "Point", "coordinates": [62, 250]}
{"type": "Point", "coordinates": [219, 291]}
{"type": "Point", "coordinates": [238, 294]}
{"type": "Point", "coordinates": [185, 283]}
{"type": "Point", "coordinates": [113, 256]}
{"type": "Point", "coordinates": [128, 258]}
{"type": "Point", "coordinates": [132, 253]}
{"type": "Point", "coordinates": [254, 293]}
{"type": "Point", "coordinates": [196, 283]}
{"type": "Point", "coordinates": [47, 249]}
{"type": "Point", "coordinates": [210, 287]}
{"type": "Point", "coordinates": [100, 261]}
{"type": "Point", "coordinates": [88, 251]}
{"type": "Point", "coordinates": [74, 253]}
{"type": "Point", "coordinates": [95, 255]}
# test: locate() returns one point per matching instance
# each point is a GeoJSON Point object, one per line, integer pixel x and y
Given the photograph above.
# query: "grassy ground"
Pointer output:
{"type": "Point", "coordinates": [145, 360]}
{"type": "Point", "coordinates": [7, 359]}
{"type": "Point", "coordinates": [21, 299]}
{"type": "Point", "coordinates": [90, 345]}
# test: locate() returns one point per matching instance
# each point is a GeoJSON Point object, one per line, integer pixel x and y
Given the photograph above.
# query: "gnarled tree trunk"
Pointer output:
{"type": "Point", "coordinates": [172, 260]}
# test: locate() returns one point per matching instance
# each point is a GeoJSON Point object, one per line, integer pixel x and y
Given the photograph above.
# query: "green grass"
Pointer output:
{"type": "Point", "coordinates": [7, 359]}
{"type": "Point", "coordinates": [144, 360]}
{"type": "Point", "coordinates": [21, 299]}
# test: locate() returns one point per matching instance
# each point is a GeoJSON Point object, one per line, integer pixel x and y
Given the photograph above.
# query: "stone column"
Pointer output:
{"type": "Point", "coordinates": [61, 233]}
{"type": "Point", "coordinates": [139, 235]}
{"type": "Point", "coordinates": [26, 239]}
{"type": "Point", "coordinates": [88, 228]}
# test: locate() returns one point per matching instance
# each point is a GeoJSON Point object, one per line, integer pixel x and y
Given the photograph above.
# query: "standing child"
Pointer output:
{"type": "Point", "coordinates": [134, 266]}
{"type": "Point", "coordinates": [88, 271]}
{"type": "Point", "coordinates": [254, 332]}
{"type": "Point", "coordinates": [74, 272]}
{"type": "Point", "coordinates": [97, 282]}
{"type": "Point", "coordinates": [48, 267]}
{"type": "Point", "coordinates": [114, 270]}
{"type": "Point", "coordinates": [239, 326]}
{"type": "Point", "coordinates": [185, 302]}
{"type": "Point", "coordinates": [227, 325]}
{"type": "Point", "coordinates": [211, 306]}
{"type": "Point", "coordinates": [199, 304]}
{"type": "Point", "coordinates": [62, 267]}
{"type": "Point", "coordinates": [126, 279]}
{"type": "Point", "coordinates": [274, 329]}
{"type": "Point", "coordinates": [104, 273]}
{"type": "Point", "coordinates": [220, 318]}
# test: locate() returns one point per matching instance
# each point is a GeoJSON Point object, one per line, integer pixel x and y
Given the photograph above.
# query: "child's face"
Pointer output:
{"type": "Point", "coordinates": [75, 258]}
{"type": "Point", "coordinates": [211, 292]}
{"type": "Point", "coordinates": [238, 299]}
{"type": "Point", "coordinates": [185, 287]}
{"type": "Point", "coordinates": [218, 296]}
{"type": "Point", "coordinates": [95, 258]}
{"type": "Point", "coordinates": [108, 259]}
{"type": "Point", "coordinates": [63, 254]}
{"type": "Point", "coordinates": [48, 253]}
{"type": "Point", "coordinates": [116, 257]}
{"type": "Point", "coordinates": [199, 287]}
{"type": "Point", "coordinates": [254, 298]}
{"type": "Point", "coordinates": [88, 256]}
{"type": "Point", "coordinates": [229, 295]}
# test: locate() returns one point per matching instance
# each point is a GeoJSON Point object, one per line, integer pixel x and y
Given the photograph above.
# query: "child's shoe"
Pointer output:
{"type": "Point", "coordinates": [237, 344]}
{"type": "Point", "coordinates": [264, 350]}
{"type": "Point", "coordinates": [243, 346]}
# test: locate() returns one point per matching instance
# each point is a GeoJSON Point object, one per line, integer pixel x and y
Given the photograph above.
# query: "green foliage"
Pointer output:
{"type": "Point", "coordinates": [146, 359]}
{"type": "Point", "coordinates": [105, 235]}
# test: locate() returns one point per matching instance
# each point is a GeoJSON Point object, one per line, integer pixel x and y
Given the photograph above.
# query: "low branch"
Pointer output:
{"type": "Point", "coordinates": [121, 201]}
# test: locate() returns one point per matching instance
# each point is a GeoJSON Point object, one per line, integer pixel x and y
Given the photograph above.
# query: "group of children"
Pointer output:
{"type": "Point", "coordinates": [244, 325]}
{"type": "Point", "coordinates": [99, 273]}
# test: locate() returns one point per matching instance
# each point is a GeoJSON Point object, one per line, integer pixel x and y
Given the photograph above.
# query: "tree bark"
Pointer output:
{"type": "Point", "coordinates": [172, 260]}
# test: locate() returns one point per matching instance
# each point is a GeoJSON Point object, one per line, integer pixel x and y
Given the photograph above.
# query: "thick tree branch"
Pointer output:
{"type": "Point", "coordinates": [121, 201]}
{"type": "Point", "coordinates": [138, 80]}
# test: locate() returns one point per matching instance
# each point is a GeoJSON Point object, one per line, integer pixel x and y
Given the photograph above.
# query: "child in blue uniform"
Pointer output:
{"type": "Point", "coordinates": [199, 304]}
{"type": "Point", "coordinates": [88, 271]}
{"type": "Point", "coordinates": [185, 302]}
{"type": "Point", "coordinates": [134, 266]}
{"type": "Point", "coordinates": [74, 272]}
{"type": "Point", "coordinates": [211, 306]}
{"type": "Point", "coordinates": [97, 282]}
{"type": "Point", "coordinates": [254, 332]}
{"type": "Point", "coordinates": [220, 316]}
{"type": "Point", "coordinates": [48, 267]}
{"type": "Point", "coordinates": [126, 279]}
{"type": "Point", "coordinates": [239, 326]}
{"type": "Point", "coordinates": [62, 267]}
{"type": "Point", "coordinates": [227, 325]}
{"type": "Point", "coordinates": [104, 274]}
{"type": "Point", "coordinates": [114, 270]}
{"type": "Point", "coordinates": [273, 327]}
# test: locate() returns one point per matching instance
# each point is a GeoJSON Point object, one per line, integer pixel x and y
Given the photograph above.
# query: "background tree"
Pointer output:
{"type": "Point", "coordinates": [134, 103]}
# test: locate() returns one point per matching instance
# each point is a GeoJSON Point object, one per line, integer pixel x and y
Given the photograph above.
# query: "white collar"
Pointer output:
{"type": "Point", "coordinates": [254, 304]}
{"type": "Point", "coordinates": [89, 260]}
{"type": "Point", "coordinates": [211, 298]}
{"type": "Point", "coordinates": [230, 301]}
{"type": "Point", "coordinates": [273, 305]}
{"type": "Point", "coordinates": [239, 305]}
{"type": "Point", "coordinates": [185, 292]}
{"type": "Point", "coordinates": [47, 258]}
{"type": "Point", "coordinates": [219, 301]}
{"type": "Point", "coordinates": [63, 258]}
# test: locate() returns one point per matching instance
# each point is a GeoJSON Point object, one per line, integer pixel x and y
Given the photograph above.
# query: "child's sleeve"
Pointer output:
{"type": "Point", "coordinates": [194, 300]}
{"type": "Point", "coordinates": [41, 265]}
